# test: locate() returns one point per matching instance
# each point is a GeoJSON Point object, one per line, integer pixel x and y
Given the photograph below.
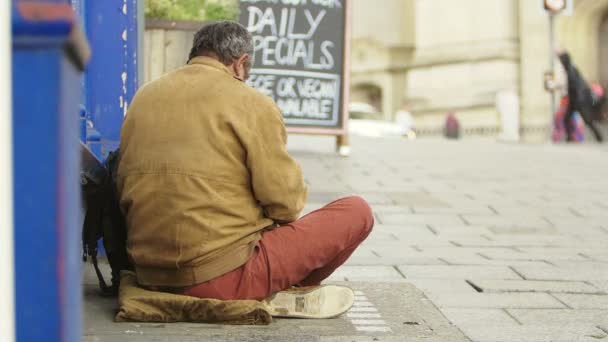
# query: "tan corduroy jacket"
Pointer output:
{"type": "Point", "coordinates": [203, 170]}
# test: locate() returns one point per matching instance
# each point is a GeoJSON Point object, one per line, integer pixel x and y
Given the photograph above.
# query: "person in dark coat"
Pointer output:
{"type": "Point", "coordinates": [581, 99]}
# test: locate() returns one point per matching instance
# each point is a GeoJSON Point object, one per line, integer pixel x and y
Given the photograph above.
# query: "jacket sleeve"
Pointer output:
{"type": "Point", "coordinates": [276, 178]}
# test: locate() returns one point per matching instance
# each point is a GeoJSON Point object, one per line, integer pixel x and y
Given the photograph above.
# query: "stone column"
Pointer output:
{"type": "Point", "coordinates": [534, 55]}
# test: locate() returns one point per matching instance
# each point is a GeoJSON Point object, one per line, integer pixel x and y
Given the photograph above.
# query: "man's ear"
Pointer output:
{"type": "Point", "coordinates": [239, 67]}
{"type": "Point", "coordinates": [244, 58]}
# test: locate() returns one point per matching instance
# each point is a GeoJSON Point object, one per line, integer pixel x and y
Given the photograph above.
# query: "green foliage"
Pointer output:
{"type": "Point", "coordinates": [192, 9]}
{"type": "Point", "coordinates": [219, 11]}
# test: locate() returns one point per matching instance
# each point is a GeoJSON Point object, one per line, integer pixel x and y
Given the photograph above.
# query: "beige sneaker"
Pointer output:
{"type": "Point", "coordinates": [325, 301]}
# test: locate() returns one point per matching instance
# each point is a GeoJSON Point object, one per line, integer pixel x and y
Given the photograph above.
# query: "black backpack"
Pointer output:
{"type": "Point", "coordinates": [103, 218]}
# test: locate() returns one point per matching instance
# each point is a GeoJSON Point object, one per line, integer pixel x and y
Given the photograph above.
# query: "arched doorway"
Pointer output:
{"type": "Point", "coordinates": [366, 100]}
{"type": "Point", "coordinates": [584, 35]}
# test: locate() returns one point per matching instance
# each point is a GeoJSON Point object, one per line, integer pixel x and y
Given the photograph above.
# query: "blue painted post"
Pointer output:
{"type": "Point", "coordinates": [112, 77]}
{"type": "Point", "coordinates": [7, 264]}
{"type": "Point", "coordinates": [48, 55]}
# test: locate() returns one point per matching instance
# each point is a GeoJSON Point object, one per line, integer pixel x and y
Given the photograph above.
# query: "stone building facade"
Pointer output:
{"type": "Point", "coordinates": [438, 56]}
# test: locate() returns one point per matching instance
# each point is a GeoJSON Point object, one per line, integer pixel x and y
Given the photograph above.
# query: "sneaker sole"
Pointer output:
{"type": "Point", "coordinates": [326, 301]}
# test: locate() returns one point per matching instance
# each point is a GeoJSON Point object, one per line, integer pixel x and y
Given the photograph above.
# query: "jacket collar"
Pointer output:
{"type": "Point", "coordinates": [211, 62]}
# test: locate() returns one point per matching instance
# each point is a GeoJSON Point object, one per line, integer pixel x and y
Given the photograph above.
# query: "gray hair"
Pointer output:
{"type": "Point", "coordinates": [227, 39]}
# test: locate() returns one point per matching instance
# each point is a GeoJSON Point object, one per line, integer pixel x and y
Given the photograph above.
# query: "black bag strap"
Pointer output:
{"type": "Point", "coordinates": [105, 289]}
{"type": "Point", "coordinates": [115, 227]}
{"type": "Point", "coordinates": [92, 227]}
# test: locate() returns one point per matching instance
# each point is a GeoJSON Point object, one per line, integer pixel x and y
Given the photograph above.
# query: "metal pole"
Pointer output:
{"type": "Point", "coordinates": [552, 66]}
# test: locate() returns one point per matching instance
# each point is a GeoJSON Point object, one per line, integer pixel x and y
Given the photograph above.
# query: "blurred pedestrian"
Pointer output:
{"type": "Point", "coordinates": [559, 129]}
{"type": "Point", "coordinates": [405, 121]}
{"type": "Point", "coordinates": [581, 99]}
{"type": "Point", "coordinates": [599, 100]}
{"type": "Point", "coordinates": [452, 126]}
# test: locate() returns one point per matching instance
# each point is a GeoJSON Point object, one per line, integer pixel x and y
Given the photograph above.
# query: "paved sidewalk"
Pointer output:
{"type": "Point", "coordinates": [509, 242]}
{"type": "Point", "coordinates": [382, 312]}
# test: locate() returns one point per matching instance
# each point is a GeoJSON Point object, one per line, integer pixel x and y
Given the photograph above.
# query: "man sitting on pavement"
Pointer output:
{"type": "Point", "coordinates": [212, 198]}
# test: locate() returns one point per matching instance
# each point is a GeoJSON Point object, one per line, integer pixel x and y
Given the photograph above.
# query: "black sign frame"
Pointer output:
{"type": "Point", "coordinates": [317, 72]}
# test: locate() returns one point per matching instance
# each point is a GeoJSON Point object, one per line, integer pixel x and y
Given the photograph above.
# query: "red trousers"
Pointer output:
{"type": "Point", "coordinates": [302, 253]}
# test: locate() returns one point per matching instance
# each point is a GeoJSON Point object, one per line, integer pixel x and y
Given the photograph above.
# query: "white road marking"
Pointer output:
{"type": "Point", "coordinates": [365, 317]}
{"type": "Point", "coordinates": [362, 304]}
{"type": "Point", "coordinates": [368, 321]}
{"type": "Point", "coordinates": [359, 309]}
{"type": "Point", "coordinates": [368, 328]}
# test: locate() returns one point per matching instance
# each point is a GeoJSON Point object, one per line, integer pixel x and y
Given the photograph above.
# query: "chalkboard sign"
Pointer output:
{"type": "Point", "coordinates": [299, 59]}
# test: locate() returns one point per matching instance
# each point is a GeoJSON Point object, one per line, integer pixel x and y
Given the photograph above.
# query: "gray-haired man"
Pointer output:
{"type": "Point", "coordinates": [212, 198]}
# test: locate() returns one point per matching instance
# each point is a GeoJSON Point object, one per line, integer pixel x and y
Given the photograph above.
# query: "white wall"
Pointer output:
{"type": "Point", "coordinates": [463, 22]}
{"type": "Point", "coordinates": [388, 22]}
{"type": "Point", "coordinates": [466, 52]}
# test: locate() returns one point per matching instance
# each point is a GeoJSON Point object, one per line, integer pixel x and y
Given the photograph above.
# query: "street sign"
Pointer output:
{"type": "Point", "coordinates": [557, 7]}
{"type": "Point", "coordinates": [301, 60]}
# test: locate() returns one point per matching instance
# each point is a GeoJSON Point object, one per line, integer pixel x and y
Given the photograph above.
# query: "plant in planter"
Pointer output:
{"type": "Point", "coordinates": [202, 10]}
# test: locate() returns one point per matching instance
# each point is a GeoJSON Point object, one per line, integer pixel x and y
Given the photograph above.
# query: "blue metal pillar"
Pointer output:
{"type": "Point", "coordinates": [112, 74]}
{"type": "Point", "coordinates": [46, 88]}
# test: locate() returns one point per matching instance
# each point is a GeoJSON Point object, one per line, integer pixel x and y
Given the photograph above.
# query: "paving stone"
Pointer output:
{"type": "Point", "coordinates": [363, 256]}
{"type": "Point", "coordinates": [552, 254]}
{"type": "Point", "coordinates": [492, 285]}
{"type": "Point", "coordinates": [417, 219]}
{"type": "Point", "coordinates": [495, 300]}
{"type": "Point", "coordinates": [419, 199]}
{"type": "Point", "coordinates": [600, 284]}
{"type": "Point", "coordinates": [366, 273]}
{"type": "Point", "coordinates": [553, 240]}
{"type": "Point", "coordinates": [566, 333]}
{"type": "Point", "coordinates": [405, 235]}
{"type": "Point", "coordinates": [506, 221]}
{"type": "Point", "coordinates": [561, 273]}
{"type": "Point", "coordinates": [375, 198]}
{"type": "Point", "coordinates": [459, 230]}
{"type": "Point", "coordinates": [381, 236]}
{"type": "Point", "coordinates": [437, 286]}
{"type": "Point", "coordinates": [527, 210]}
{"type": "Point", "coordinates": [396, 209]}
{"type": "Point", "coordinates": [373, 258]}
{"type": "Point", "coordinates": [597, 256]}
{"type": "Point", "coordinates": [525, 231]}
{"type": "Point", "coordinates": [497, 318]}
{"type": "Point", "coordinates": [411, 233]}
{"type": "Point", "coordinates": [548, 317]}
{"type": "Point", "coordinates": [584, 301]}
{"type": "Point", "coordinates": [604, 328]}
{"type": "Point", "coordinates": [479, 260]}
{"type": "Point", "coordinates": [575, 222]}
{"type": "Point", "coordinates": [458, 252]}
{"type": "Point", "coordinates": [459, 271]}
{"type": "Point", "coordinates": [598, 265]}
{"type": "Point", "coordinates": [475, 209]}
